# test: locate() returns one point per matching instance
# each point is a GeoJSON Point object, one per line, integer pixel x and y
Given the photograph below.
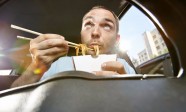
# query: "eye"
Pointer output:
{"type": "Point", "coordinates": [107, 27]}
{"type": "Point", "coordinates": [88, 24]}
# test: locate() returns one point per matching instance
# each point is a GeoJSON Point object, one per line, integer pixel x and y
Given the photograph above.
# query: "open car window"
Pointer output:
{"type": "Point", "coordinates": [143, 43]}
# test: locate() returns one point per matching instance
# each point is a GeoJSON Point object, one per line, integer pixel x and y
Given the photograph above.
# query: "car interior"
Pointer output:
{"type": "Point", "coordinates": [159, 83]}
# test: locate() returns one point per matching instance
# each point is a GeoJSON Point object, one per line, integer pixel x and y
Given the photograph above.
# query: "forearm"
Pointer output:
{"type": "Point", "coordinates": [28, 77]}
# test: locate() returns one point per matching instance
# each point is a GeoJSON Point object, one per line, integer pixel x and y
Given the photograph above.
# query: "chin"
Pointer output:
{"type": "Point", "coordinates": [90, 53]}
{"type": "Point", "coordinates": [93, 53]}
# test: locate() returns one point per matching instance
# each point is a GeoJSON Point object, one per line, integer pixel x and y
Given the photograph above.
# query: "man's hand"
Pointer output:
{"type": "Point", "coordinates": [44, 50]}
{"type": "Point", "coordinates": [111, 68]}
{"type": "Point", "coordinates": [47, 48]}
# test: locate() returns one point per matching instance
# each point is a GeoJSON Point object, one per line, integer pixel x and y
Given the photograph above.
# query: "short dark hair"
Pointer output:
{"type": "Point", "coordinates": [115, 16]}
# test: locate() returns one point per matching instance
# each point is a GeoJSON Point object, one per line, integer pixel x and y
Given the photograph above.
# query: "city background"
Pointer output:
{"type": "Point", "coordinates": [139, 37]}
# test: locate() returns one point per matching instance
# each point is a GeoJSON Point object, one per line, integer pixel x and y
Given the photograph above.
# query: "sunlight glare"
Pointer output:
{"type": "Point", "coordinates": [5, 72]}
{"type": "Point", "coordinates": [125, 45]}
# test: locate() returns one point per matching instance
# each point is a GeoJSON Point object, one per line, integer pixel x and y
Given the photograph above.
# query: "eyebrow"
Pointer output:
{"type": "Point", "coordinates": [109, 20]}
{"type": "Point", "coordinates": [87, 17]}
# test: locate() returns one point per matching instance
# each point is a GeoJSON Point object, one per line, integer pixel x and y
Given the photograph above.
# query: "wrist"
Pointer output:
{"type": "Point", "coordinates": [37, 69]}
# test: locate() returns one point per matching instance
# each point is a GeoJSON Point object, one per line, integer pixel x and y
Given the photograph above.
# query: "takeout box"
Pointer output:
{"type": "Point", "coordinates": [89, 64]}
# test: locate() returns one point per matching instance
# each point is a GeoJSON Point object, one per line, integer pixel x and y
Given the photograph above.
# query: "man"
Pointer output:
{"type": "Point", "coordinates": [99, 27]}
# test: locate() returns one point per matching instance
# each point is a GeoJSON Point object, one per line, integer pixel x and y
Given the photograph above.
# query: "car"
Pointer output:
{"type": "Point", "coordinates": [81, 91]}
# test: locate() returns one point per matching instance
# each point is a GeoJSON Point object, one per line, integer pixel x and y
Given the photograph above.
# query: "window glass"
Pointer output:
{"type": "Point", "coordinates": [141, 40]}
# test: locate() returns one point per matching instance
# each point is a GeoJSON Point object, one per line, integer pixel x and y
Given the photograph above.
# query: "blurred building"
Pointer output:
{"type": "Point", "coordinates": [143, 56]}
{"type": "Point", "coordinates": [135, 62]}
{"type": "Point", "coordinates": [159, 42]}
{"type": "Point", "coordinates": [154, 46]}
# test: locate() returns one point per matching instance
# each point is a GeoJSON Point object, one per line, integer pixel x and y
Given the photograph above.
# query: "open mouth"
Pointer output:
{"type": "Point", "coordinates": [94, 44]}
{"type": "Point", "coordinates": [96, 49]}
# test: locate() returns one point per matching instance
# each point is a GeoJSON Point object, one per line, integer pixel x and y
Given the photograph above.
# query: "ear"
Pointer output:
{"type": "Point", "coordinates": [117, 38]}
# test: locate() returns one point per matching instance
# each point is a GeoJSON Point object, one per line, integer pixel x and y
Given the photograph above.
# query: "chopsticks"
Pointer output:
{"type": "Point", "coordinates": [70, 44]}
{"type": "Point", "coordinates": [24, 29]}
{"type": "Point", "coordinates": [26, 38]}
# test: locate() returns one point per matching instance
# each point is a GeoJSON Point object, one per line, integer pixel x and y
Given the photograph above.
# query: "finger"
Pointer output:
{"type": "Point", "coordinates": [49, 55]}
{"type": "Point", "coordinates": [49, 43]}
{"type": "Point", "coordinates": [55, 51]}
{"type": "Point", "coordinates": [113, 66]}
{"type": "Point", "coordinates": [45, 37]}
{"type": "Point", "coordinates": [44, 60]}
{"type": "Point", "coordinates": [34, 44]}
{"type": "Point", "coordinates": [105, 73]}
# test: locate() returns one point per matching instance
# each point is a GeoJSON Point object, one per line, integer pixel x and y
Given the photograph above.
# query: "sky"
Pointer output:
{"type": "Point", "coordinates": [132, 26]}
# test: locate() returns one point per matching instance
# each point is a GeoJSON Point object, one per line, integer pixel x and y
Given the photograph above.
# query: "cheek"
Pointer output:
{"type": "Point", "coordinates": [84, 37]}
{"type": "Point", "coordinates": [109, 42]}
{"type": "Point", "coordinates": [109, 38]}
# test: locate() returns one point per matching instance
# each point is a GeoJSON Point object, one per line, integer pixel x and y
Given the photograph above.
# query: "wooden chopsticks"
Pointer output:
{"type": "Point", "coordinates": [26, 38]}
{"type": "Point", "coordinates": [70, 44]}
{"type": "Point", "coordinates": [24, 29]}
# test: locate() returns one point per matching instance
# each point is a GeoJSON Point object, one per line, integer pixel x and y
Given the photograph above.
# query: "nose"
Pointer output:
{"type": "Point", "coordinates": [96, 33]}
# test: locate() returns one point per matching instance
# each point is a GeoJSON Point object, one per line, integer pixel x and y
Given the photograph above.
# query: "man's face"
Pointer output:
{"type": "Point", "coordinates": [99, 28]}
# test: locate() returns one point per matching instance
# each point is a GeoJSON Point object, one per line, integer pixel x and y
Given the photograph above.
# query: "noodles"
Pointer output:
{"type": "Point", "coordinates": [96, 49]}
{"type": "Point", "coordinates": [82, 49]}
{"type": "Point", "coordinates": [77, 50]}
